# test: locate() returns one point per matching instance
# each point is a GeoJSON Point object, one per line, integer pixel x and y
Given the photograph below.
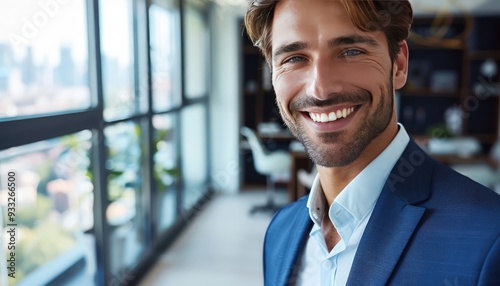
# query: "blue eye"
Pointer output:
{"type": "Point", "coordinates": [352, 53]}
{"type": "Point", "coordinates": [294, 59]}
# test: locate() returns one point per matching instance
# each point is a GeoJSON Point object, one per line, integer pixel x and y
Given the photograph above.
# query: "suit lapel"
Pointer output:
{"type": "Point", "coordinates": [394, 218]}
{"type": "Point", "coordinates": [293, 246]}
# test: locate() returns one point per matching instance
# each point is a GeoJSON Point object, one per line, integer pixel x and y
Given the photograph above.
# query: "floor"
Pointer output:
{"type": "Point", "coordinates": [221, 247]}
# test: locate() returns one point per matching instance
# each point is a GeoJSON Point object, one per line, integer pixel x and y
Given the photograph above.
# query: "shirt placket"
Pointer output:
{"type": "Point", "coordinates": [329, 270]}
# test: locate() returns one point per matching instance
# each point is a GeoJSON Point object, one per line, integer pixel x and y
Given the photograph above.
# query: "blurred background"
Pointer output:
{"type": "Point", "coordinates": [148, 149]}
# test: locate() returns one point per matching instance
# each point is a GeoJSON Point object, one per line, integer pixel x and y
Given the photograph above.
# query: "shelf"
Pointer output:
{"type": "Point", "coordinates": [459, 160]}
{"type": "Point", "coordinates": [482, 55]}
{"type": "Point", "coordinates": [440, 31]}
{"type": "Point", "coordinates": [485, 138]}
{"type": "Point", "coordinates": [435, 46]}
{"type": "Point", "coordinates": [422, 139]}
{"type": "Point", "coordinates": [426, 92]}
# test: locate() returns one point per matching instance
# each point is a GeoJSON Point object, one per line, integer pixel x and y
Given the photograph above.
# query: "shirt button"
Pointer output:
{"type": "Point", "coordinates": [327, 264]}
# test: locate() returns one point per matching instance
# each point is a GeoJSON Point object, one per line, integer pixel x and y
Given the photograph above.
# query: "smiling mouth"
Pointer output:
{"type": "Point", "coordinates": [332, 116]}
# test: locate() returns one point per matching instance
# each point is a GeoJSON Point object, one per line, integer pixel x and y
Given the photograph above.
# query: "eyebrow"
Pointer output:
{"type": "Point", "coordinates": [288, 48]}
{"type": "Point", "coordinates": [336, 42]}
{"type": "Point", "coordinates": [353, 39]}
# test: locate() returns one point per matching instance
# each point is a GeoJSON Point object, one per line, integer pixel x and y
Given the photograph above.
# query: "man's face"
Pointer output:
{"type": "Point", "coordinates": [333, 82]}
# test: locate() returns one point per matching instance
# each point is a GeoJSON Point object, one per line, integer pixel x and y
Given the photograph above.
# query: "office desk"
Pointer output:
{"type": "Point", "coordinates": [300, 160]}
{"type": "Point", "coordinates": [283, 135]}
{"type": "Point", "coordinates": [455, 159]}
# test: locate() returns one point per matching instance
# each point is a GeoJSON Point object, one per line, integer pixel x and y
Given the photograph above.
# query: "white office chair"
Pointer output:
{"type": "Point", "coordinates": [305, 178]}
{"type": "Point", "coordinates": [273, 165]}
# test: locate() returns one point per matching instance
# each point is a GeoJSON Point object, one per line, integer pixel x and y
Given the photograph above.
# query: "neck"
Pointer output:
{"type": "Point", "coordinates": [334, 180]}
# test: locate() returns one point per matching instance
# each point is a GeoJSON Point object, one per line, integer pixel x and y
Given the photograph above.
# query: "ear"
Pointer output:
{"type": "Point", "coordinates": [400, 67]}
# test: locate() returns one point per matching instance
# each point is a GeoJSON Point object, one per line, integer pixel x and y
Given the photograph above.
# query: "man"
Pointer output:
{"type": "Point", "coordinates": [380, 211]}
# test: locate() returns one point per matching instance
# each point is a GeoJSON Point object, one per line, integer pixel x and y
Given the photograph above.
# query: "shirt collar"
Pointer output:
{"type": "Point", "coordinates": [355, 200]}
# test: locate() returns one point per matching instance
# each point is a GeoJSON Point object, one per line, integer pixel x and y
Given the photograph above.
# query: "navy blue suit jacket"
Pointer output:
{"type": "Point", "coordinates": [430, 226]}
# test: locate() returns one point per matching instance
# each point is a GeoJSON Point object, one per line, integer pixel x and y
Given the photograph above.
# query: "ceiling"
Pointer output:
{"type": "Point", "coordinates": [475, 7]}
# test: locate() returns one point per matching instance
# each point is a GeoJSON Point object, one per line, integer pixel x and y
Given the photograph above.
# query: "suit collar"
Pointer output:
{"type": "Point", "coordinates": [411, 177]}
{"type": "Point", "coordinates": [394, 218]}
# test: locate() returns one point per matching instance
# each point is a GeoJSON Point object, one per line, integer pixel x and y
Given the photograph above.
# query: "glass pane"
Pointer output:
{"type": "Point", "coordinates": [43, 57]}
{"type": "Point", "coordinates": [196, 49]}
{"type": "Point", "coordinates": [125, 216]}
{"type": "Point", "coordinates": [47, 210]}
{"type": "Point", "coordinates": [117, 58]}
{"type": "Point", "coordinates": [194, 154]}
{"type": "Point", "coordinates": [165, 57]}
{"type": "Point", "coordinates": [166, 171]}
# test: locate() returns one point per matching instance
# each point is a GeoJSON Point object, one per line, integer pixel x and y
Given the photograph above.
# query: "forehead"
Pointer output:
{"type": "Point", "coordinates": [309, 9]}
{"type": "Point", "coordinates": [312, 21]}
{"type": "Point", "coordinates": [309, 14]}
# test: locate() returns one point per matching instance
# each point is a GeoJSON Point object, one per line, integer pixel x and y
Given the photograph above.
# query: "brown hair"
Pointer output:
{"type": "Point", "coordinates": [393, 17]}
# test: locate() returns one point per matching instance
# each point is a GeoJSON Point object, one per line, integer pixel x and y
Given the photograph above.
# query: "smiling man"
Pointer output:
{"type": "Point", "coordinates": [380, 211]}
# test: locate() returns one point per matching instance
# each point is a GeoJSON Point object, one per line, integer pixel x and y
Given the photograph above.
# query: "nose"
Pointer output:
{"type": "Point", "coordinates": [324, 79]}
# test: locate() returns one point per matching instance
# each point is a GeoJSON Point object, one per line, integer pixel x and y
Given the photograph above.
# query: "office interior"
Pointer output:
{"type": "Point", "coordinates": [123, 121]}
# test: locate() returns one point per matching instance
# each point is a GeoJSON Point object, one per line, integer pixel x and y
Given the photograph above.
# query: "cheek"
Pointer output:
{"type": "Point", "coordinates": [287, 86]}
{"type": "Point", "coordinates": [365, 76]}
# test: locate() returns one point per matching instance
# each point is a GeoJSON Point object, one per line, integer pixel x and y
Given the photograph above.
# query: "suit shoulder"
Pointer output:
{"type": "Point", "coordinates": [294, 206]}
{"type": "Point", "coordinates": [290, 211]}
{"type": "Point", "coordinates": [287, 218]}
{"type": "Point", "coordinates": [457, 188]}
{"type": "Point", "coordinates": [448, 178]}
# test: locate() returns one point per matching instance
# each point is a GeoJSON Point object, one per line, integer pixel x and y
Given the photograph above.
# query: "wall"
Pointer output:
{"type": "Point", "coordinates": [225, 97]}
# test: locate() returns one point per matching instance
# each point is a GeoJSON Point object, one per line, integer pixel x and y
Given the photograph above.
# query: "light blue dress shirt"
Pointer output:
{"type": "Point", "coordinates": [349, 213]}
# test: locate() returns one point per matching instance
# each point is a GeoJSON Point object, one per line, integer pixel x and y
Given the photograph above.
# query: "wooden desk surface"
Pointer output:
{"type": "Point", "coordinates": [284, 135]}
{"type": "Point", "coordinates": [300, 160]}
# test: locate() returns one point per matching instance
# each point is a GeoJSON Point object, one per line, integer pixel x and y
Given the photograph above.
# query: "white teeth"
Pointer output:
{"type": "Point", "coordinates": [324, 117]}
{"type": "Point", "coordinates": [332, 116]}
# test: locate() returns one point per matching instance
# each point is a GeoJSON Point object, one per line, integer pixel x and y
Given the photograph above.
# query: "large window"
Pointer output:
{"type": "Point", "coordinates": [104, 144]}
{"type": "Point", "coordinates": [194, 154]}
{"type": "Point", "coordinates": [49, 205]}
{"type": "Point", "coordinates": [117, 58]}
{"type": "Point", "coordinates": [196, 47]}
{"type": "Point", "coordinates": [166, 168]}
{"type": "Point", "coordinates": [124, 214]}
{"type": "Point", "coordinates": [43, 57]}
{"type": "Point", "coordinates": [194, 118]}
{"type": "Point", "coordinates": [165, 62]}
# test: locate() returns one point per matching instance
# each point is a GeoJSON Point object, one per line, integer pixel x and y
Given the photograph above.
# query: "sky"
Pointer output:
{"type": "Point", "coordinates": [51, 24]}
